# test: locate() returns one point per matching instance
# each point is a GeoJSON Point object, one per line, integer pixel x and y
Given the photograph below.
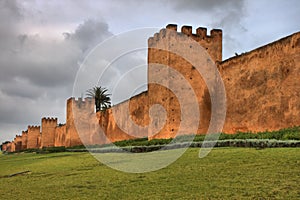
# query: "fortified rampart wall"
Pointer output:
{"type": "Point", "coordinates": [168, 56]}
{"type": "Point", "coordinates": [262, 87]}
{"type": "Point", "coordinates": [262, 93]}
{"type": "Point", "coordinates": [24, 139]}
{"type": "Point", "coordinates": [48, 132]}
{"type": "Point", "coordinates": [33, 137]}
{"type": "Point", "coordinates": [125, 120]}
{"type": "Point", "coordinates": [60, 136]}
{"type": "Point", "coordinates": [18, 143]}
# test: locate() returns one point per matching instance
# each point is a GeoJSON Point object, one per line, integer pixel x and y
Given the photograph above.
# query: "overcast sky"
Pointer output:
{"type": "Point", "coordinates": [42, 43]}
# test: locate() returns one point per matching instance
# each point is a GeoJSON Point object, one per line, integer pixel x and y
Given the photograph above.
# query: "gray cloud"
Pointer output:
{"type": "Point", "coordinates": [42, 47]}
{"type": "Point", "coordinates": [206, 6]}
{"type": "Point", "coordinates": [9, 12]}
{"type": "Point", "coordinates": [89, 34]}
{"type": "Point", "coordinates": [37, 72]}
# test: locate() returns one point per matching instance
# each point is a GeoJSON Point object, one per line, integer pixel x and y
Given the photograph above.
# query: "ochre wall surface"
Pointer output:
{"type": "Point", "coordinates": [60, 136]}
{"type": "Point", "coordinates": [79, 117]}
{"type": "Point", "coordinates": [262, 93]}
{"type": "Point", "coordinates": [262, 87]}
{"type": "Point", "coordinates": [163, 95]}
{"type": "Point", "coordinates": [18, 143]}
{"type": "Point", "coordinates": [48, 132]}
{"type": "Point", "coordinates": [125, 120]}
{"type": "Point", "coordinates": [84, 126]}
{"type": "Point", "coordinates": [33, 141]}
{"type": "Point", "coordinates": [24, 139]}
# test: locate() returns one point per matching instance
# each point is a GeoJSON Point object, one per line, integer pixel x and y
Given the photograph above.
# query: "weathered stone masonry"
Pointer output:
{"type": "Point", "coordinates": [262, 91]}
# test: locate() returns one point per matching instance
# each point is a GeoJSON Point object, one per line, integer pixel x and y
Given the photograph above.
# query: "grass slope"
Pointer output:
{"type": "Point", "coordinates": [226, 173]}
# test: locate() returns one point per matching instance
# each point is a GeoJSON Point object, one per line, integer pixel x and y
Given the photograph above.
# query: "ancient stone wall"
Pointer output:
{"type": "Point", "coordinates": [122, 122]}
{"type": "Point", "coordinates": [18, 143]}
{"type": "Point", "coordinates": [126, 120]}
{"type": "Point", "coordinates": [163, 95]}
{"type": "Point", "coordinates": [262, 87]}
{"type": "Point", "coordinates": [72, 137]}
{"type": "Point", "coordinates": [212, 43]}
{"type": "Point", "coordinates": [60, 136]}
{"type": "Point", "coordinates": [262, 91]}
{"type": "Point", "coordinates": [48, 132]}
{"type": "Point", "coordinates": [24, 139]}
{"type": "Point", "coordinates": [80, 115]}
{"type": "Point", "coordinates": [33, 137]}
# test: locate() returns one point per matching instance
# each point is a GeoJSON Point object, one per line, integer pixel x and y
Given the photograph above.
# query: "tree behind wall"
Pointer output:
{"type": "Point", "coordinates": [102, 98]}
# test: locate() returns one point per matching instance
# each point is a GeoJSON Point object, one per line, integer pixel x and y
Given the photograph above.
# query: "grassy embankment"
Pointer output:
{"type": "Point", "coordinates": [226, 173]}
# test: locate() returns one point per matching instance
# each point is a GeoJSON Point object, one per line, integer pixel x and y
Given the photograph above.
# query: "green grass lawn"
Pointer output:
{"type": "Point", "coordinates": [226, 173]}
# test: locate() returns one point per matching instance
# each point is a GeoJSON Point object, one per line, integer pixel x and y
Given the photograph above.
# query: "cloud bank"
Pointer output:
{"type": "Point", "coordinates": [43, 43]}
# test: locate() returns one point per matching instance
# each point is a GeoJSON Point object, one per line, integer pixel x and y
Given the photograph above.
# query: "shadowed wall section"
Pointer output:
{"type": "Point", "coordinates": [18, 143]}
{"type": "Point", "coordinates": [118, 122]}
{"type": "Point", "coordinates": [24, 139]}
{"type": "Point", "coordinates": [60, 136]}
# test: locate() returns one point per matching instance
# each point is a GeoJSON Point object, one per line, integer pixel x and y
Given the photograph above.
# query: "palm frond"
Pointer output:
{"type": "Point", "coordinates": [102, 99]}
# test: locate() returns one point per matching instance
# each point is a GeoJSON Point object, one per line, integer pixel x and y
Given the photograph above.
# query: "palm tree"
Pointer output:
{"type": "Point", "coordinates": [102, 99]}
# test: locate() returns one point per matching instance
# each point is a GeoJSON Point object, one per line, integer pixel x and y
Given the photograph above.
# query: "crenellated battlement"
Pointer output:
{"type": "Point", "coordinates": [267, 75]}
{"type": "Point", "coordinates": [33, 138]}
{"type": "Point", "coordinates": [49, 119]}
{"type": "Point", "coordinates": [172, 27]}
{"type": "Point", "coordinates": [49, 125]}
{"type": "Point", "coordinates": [80, 100]}
{"type": "Point", "coordinates": [200, 34]}
{"type": "Point", "coordinates": [25, 132]}
{"type": "Point", "coordinates": [82, 103]}
{"type": "Point", "coordinates": [31, 128]}
{"type": "Point", "coordinates": [212, 43]}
